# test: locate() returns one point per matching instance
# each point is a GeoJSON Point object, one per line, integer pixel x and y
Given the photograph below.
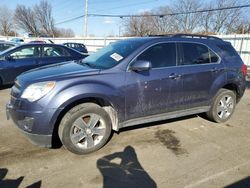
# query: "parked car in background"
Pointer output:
{"type": "Point", "coordinates": [17, 40]}
{"type": "Point", "coordinates": [29, 56]}
{"type": "Point", "coordinates": [38, 41]}
{"type": "Point", "coordinates": [7, 45]}
{"type": "Point", "coordinates": [77, 46]}
{"type": "Point", "coordinates": [127, 83]}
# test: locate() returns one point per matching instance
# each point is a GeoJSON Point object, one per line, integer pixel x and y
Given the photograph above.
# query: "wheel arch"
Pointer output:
{"type": "Point", "coordinates": [233, 87]}
{"type": "Point", "coordinates": [104, 103]}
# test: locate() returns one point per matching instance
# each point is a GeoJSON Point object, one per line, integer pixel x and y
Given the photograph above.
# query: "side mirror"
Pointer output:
{"type": "Point", "coordinates": [141, 65]}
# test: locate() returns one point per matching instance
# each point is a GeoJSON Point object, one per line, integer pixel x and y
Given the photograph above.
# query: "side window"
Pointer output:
{"type": "Point", "coordinates": [194, 54]}
{"type": "Point", "coordinates": [27, 52]}
{"type": "Point", "coordinates": [228, 50]}
{"type": "Point", "coordinates": [5, 46]}
{"type": "Point", "coordinates": [54, 51]}
{"type": "Point", "coordinates": [213, 57]}
{"type": "Point", "coordinates": [160, 55]}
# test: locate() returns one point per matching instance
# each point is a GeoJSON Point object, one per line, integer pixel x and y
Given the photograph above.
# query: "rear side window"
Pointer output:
{"type": "Point", "coordinates": [160, 55]}
{"type": "Point", "coordinates": [193, 54]}
{"type": "Point", "coordinates": [54, 51]}
{"type": "Point", "coordinates": [227, 50]}
{"type": "Point", "coordinates": [213, 57]}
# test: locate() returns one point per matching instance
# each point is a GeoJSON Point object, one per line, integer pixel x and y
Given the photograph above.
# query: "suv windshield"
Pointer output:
{"type": "Point", "coordinates": [112, 54]}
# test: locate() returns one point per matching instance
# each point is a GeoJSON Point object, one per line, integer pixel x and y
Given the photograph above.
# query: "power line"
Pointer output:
{"type": "Point", "coordinates": [154, 15]}
{"type": "Point", "coordinates": [169, 14]}
{"type": "Point", "coordinates": [127, 5]}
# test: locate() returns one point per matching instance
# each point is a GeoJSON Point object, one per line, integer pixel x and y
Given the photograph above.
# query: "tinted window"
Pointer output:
{"type": "Point", "coordinates": [28, 52]}
{"type": "Point", "coordinates": [213, 57]}
{"type": "Point", "coordinates": [228, 50]}
{"type": "Point", "coordinates": [160, 55]}
{"type": "Point", "coordinates": [54, 51]}
{"type": "Point", "coordinates": [194, 54]}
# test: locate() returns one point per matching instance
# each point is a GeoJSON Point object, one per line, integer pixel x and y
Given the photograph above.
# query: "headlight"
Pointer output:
{"type": "Point", "coordinates": [36, 91]}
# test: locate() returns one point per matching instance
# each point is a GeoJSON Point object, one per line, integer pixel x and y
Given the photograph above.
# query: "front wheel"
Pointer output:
{"type": "Point", "coordinates": [223, 106]}
{"type": "Point", "coordinates": [85, 128]}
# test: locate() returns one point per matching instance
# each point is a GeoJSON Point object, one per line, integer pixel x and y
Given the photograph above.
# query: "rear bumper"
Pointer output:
{"type": "Point", "coordinates": [34, 125]}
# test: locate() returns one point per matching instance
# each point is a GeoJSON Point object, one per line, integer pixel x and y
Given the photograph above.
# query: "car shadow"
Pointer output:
{"type": "Point", "coordinates": [14, 183]}
{"type": "Point", "coordinates": [240, 184]}
{"type": "Point", "coordinates": [123, 169]}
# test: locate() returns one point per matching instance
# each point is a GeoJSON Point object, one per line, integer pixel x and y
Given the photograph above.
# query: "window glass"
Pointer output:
{"type": "Point", "coordinates": [213, 57]}
{"type": "Point", "coordinates": [228, 50]}
{"type": "Point", "coordinates": [5, 46]}
{"type": "Point", "coordinates": [54, 51]}
{"type": "Point", "coordinates": [160, 55]}
{"type": "Point", "coordinates": [112, 54]}
{"type": "Point", "coordinates": [28, 52]}
{"type": "Point", "coordinates": [194, 54]}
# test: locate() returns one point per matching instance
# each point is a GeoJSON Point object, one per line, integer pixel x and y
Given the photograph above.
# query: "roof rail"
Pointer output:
{"type": "Point", "coordinates": [196, 36]}
{"type": "Point", "coordinates": [161, 35]}
{"type": "Point", "coordinates": [184, 35]}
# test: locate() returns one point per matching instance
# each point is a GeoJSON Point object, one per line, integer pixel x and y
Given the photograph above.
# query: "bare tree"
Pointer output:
{"type": "Point", "coordinates": [6, 21]}
{"type": "Point", "coordinates": [221, 21]}
{"type": "Point", "coordinates": [43, 13]}
{"type": "Point", "coordinates": [26, 20]}
{"type": "Point", "coordinates": [139, 26]}
{"type": "Point", "coordinates": [164, 24]}
{"type": "Point", "coordinates": [62, 32]}
{"type": "Point", "coordinates": [187, 23]}
{"type": "Point", "coordinates": [243, 27]}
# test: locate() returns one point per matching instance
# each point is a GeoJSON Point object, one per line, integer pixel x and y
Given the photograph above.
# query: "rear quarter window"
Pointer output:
{"type": "Point", "coordinates": [227, 50]}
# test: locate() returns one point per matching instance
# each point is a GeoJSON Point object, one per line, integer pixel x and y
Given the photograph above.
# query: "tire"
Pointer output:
{"type": "Point", "coordinates": [85, 128]}
{"type": "Point", "coordinates": [223, 106]}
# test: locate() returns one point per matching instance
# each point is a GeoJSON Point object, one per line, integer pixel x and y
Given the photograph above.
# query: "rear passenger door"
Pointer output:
{"type": "Point", "coordinates": [53, 54]}
{"type": "Point", "coordinates": [200, 69]}
{"type": "Point", "coordinates": [157, 90]}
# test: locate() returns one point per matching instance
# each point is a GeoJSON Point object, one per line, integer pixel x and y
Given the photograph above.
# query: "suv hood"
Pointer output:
{"type": "Point", "coordinates": [57, 71]}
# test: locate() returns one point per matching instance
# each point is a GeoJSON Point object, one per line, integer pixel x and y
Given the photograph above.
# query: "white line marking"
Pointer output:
{"type": "Point", "coordinates": [216, 175]}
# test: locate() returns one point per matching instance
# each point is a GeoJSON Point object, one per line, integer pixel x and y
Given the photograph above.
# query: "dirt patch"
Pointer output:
{"type": "Point", "coordinates": [168, 138]}
{"type": "Point", "coordinates": [96, 180]}
{"type": "Point", "coordinates": [229, 125]}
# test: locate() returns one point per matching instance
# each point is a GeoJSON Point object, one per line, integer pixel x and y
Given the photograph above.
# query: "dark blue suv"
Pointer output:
{"type": "Point", "coordinates": [127, 83]}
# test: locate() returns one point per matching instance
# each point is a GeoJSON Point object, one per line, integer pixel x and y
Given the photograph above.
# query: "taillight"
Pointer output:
{"type": "Point", "coordinates": [244, 69]}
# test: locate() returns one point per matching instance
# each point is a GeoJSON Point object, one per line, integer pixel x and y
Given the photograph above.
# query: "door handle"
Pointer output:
{"type": "Point", "coordinates": [174, 76]}
{"type": "Point", "coordinates": [215, 70]}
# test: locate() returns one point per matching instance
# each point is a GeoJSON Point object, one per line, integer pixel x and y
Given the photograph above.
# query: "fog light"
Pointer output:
{"type": "Point", "coordinates": [26, 124]}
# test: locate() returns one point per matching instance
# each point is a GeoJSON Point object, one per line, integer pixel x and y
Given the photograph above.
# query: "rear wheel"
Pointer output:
{"type": "Point", "coordinates": [85, 128]}
{"type": "Point", "coordinates": [223, 106]}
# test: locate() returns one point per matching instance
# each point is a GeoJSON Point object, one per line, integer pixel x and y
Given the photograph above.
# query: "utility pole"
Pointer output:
{"type": "Point", "coordinates": [86, 19]}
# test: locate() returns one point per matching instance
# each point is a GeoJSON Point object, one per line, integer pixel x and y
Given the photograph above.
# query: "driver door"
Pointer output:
{"type": "Point", "coordinates": [157, 90]}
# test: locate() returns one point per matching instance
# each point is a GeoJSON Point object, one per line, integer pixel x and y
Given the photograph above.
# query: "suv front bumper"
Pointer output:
{"type": "Point", "coordinates": [26, 122]}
